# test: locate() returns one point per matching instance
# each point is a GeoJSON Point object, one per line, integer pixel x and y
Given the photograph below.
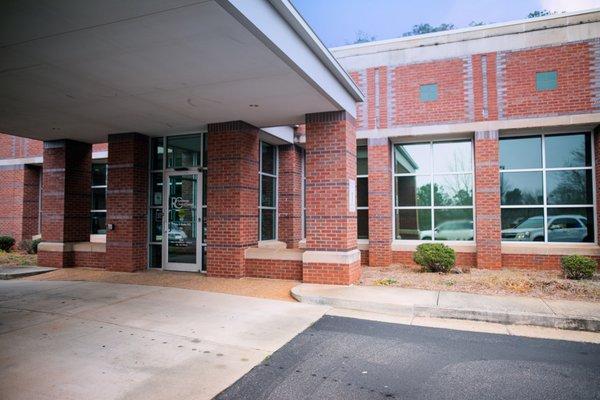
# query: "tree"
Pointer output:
{"type": "Point", "coordinates": [540, 13]}
{"type": "Point", "coordinates": [476, 23]}
{"type": "Point", "coordinates": [362, 37]}
{"type": "Point", "coordinates": [422, 29]}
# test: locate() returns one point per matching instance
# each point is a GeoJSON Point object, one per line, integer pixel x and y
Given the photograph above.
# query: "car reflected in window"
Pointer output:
{"type": "Point", "coordinates": [561, 228]}
{"type": "Point", "coordinates": [450, 230]}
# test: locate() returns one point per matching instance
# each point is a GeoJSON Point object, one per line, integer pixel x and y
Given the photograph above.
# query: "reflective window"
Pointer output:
{"type": "Point", "coordinates": [98, 207]}
{"type": "Point", "coordinates": [546, 80]}
{"type": "Point", "coordinates": [547, 188]}
{"type": "Point", "coordinates": [428, 92]}
{"type": "Point", "coordinates": [362, 192]}
{"type": "Point", "coordinates": [268, 192]}
{"type": "Point", "coordinates": [184, 151]}
{"type": "Point", "coordinates": [433, 191]}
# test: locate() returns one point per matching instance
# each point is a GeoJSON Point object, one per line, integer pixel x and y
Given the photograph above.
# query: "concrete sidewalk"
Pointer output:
{"type": "Point", "coordinates": [564, 314]}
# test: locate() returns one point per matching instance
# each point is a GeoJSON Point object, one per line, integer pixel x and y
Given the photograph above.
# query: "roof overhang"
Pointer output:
{"type": "Point", "coordinates": [83, 70]}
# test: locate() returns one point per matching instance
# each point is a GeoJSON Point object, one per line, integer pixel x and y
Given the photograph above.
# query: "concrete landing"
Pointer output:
{"type": "Point", "coordinates": [563, 314]}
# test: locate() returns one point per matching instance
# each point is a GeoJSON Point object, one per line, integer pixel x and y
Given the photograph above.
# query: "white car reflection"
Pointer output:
{"type": "Point", "coordinates": [450, 230]}
{"type": "Point", "coordinates": [177, 237]}
{"type": "Point", "coordinates": [561, 228]}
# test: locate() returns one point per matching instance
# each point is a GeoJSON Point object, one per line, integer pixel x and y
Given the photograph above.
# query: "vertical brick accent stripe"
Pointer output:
{"type": "Point", "coordinates": [487, 200]}
{"type": "Point", "coordinates": [330, 164]}
{"type": "Point", "coordinates": [380, 203]}
{"type": "Point", "coordinates": [127, 202]}
{"type": "Point", "coordinates": [290, 195]}
{"type": "Point", "coordinates": [232, 198]}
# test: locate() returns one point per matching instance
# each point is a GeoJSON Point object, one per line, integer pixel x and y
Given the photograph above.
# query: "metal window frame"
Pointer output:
{"type": "Point", "coordinates": [545, 206]}
{"type": "Point", "coordinates": [276, 177]}
{"type": "Point", "coordinates": [105, 187]}
{"type": "Point", "coordinates": [432, 175]}
{"type": "Point", "coordinates": [163, 171]}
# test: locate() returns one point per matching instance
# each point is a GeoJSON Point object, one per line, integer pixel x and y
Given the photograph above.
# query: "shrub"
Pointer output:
{"type": "Point", "coordinates": [30, 246]}
{"type": "Point", "coordinates": [435, 257]}
{"type": "Point", "coordinates": [6, 243]}
{"type": "Point", "coordinates": [578, 267]}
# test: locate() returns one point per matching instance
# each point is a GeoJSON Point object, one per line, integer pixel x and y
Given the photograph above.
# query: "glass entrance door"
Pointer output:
{"type": "Point", "coordinates": [182, 243]}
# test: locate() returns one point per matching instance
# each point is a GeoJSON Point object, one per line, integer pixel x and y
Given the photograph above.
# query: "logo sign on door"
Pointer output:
{"type": "Point", "coordinates": [176, 202]}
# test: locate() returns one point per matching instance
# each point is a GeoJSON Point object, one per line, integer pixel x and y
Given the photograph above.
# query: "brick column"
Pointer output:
{"type": "Point", "coordinates": [332, 255]}
{"type": "Point", "coordinates": [290, 195]}
{"type": "Point", "coordinates": [487, 200]}
{"type": "Point", "coordinates": [127, 202]}
{"type": "Point", "coordinates": [232, 201]}
{"type": "Point", "coordinates": [380, 203]}
{"type": "Point", "coordinates": [66, 193]}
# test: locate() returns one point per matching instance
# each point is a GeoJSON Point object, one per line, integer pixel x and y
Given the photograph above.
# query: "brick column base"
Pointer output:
{"type": "Point", "coordinates": [380, 203]}
{"type": "Point", "coordinates": [487, 200]}
{"type": "Point", "coordinates": [127, 202]}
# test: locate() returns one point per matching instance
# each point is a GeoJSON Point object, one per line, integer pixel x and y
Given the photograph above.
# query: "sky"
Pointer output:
{"type": "Point", "coordinates": [337, 22]}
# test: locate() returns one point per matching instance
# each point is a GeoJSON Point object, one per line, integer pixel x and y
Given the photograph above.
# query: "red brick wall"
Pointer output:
{"type": "Point", "coordinates": [364, 257]}
{"type": "Point", "coordinates": [533, 261]}
{"type": "Point", "coordinates": [127, 202]}
{"type": "Point", "coordinates": [274, 269]}
{"type": "Point", "coordinates": [232, 202]}
{"type": "Point", "coordinates": [19, 201]}
{"type": "Point", "coordinates": [18, 147]}
{"type": "Point", "coordinates": [573, 94]}
{"type": "Point", "coordinates": [331, 274]}
{"type": "Point", "coordinates": [450, 105]}
{"type": "Point", "coordinates": [290, 195]}
{"type": "Point", "coordinates": [89, 259]}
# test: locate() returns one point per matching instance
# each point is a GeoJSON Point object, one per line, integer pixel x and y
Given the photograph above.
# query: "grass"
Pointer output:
{"type": "Point", "coordinates": [17, 257]}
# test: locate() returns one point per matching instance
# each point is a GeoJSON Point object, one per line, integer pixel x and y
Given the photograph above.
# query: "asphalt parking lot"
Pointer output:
{"type": "Point", "coordinates": [346, 358]}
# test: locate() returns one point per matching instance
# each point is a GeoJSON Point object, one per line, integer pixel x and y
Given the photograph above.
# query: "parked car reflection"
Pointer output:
{"type": "Point", "coordinates": [561, 228]}
{"type": "Point", "coordinates": [177, 237]}
{"type": "Point", "coordinates": [450, 230]}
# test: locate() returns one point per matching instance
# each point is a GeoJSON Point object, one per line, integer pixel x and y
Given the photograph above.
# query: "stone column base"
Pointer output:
{"type": "Point", "coordinates": [331, 267]}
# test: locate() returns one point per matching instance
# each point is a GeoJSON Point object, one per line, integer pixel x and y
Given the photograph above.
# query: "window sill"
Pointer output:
{"type": "Point", "coordinates": [271, 244]}
{"type": "Point", "coordinates": [363, 244]}
{"type": "Point", "coordinates": [564, 249]}
{"type": "Point", "coordinates": [411, 245]}
{"type": "Point", "coordinates": [98, 238]}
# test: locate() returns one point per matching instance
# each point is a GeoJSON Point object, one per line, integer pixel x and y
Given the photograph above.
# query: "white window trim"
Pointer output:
{"type": "Point", "coordinates": [93, 235]}
{"type": "Point", "coordinates": [365, 176]}
{"type": "Point", "coordinates": [432, 207]}
{"type": "Point", "coordinates": [260, 206]}
{"type": "Point", "coordinates": [543, 170]}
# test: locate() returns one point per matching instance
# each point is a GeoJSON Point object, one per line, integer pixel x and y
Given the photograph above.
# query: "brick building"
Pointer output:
{"type": "Point", "coordinates": [483, 138]}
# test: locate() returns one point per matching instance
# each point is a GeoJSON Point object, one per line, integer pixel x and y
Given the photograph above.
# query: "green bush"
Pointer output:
{"type": "Point", "coordinates": [6, 243]}
{"type": "Point", "coordinates": [30, 246]}
{"type": "Point", "coordinates": [435, 257]}
{"type": "Point", "coordinates": [578, 267]}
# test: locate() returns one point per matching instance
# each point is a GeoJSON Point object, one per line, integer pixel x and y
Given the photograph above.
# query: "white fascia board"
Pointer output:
{"type": "Point", "coordinates": [279, 26]}
{"type": "Point", "coordinates": [278, 134]}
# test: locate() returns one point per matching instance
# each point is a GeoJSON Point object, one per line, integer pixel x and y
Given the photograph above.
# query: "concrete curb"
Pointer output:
{"type": "Point", "coordinates": [21, 272]}
{"type": "Point", "coordinates": [411, 310]}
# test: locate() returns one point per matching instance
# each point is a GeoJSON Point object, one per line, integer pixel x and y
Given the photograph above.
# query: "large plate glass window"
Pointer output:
{"type": "Point", "coordinates": [433, 191]}
{"type": "Point", "coordinates": [546, 188]}
{"type": "Point", "coordinates": [98, 208]}
{"type": "Point", "coordinates": [267, 205]}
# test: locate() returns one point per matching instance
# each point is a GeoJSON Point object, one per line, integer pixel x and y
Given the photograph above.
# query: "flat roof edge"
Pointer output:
{"type": "Point", "coordinates": [471, 33]}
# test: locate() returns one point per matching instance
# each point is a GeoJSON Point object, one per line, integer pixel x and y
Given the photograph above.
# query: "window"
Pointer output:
{"type": "Point", "coordinates": [428, 92]}
{"type": "Point", "coordinates": [546, 80]}
{"type": "Point", "coordinates": [267, 205]}
{"type": "Point", "coordinates": [303, 193]}
{"type": "Point", "coordinates": [546, 188]}
{"type": "Point", "coordinates": [98, 209]}
{"type": "Point", "coordinates": [184, 151]}
{"type": "Point", "coordinates": [362, 192]}
{"type": "Point", "coordinates": [433, 191]}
